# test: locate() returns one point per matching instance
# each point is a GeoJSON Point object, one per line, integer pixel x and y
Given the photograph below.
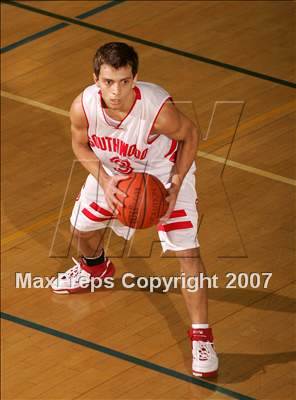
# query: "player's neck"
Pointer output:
{"type": "Point", "coordinates": [121, 112]}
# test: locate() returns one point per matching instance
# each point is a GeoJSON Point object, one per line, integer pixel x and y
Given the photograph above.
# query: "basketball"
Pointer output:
{"type": "Point", "coordinates": [145, 202]}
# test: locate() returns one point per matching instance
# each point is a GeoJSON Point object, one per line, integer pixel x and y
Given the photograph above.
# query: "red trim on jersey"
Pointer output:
{"type": "Point", "coordinates": [84, 112]}
{"type": "Point", "coordinates": [103, 105]}
{"type": "Point", "coordinates": [101, 210]}
{"type": "Point", "coordinates": [138, 93]}
{"type": "Point", "coordinates": [160, 108]}
{"type": "Point", "coordinates": [173, 148]}
{"type": "Point", "coordinates": [178, 213]}
{"type": "Point", "coordinates": [175, 226]}
{"type": "Point", "coordinates": [91, 216]}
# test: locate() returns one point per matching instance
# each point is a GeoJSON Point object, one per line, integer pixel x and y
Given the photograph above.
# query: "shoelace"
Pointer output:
{"type": "Point", "coordinates": [201, 350]}
{"type": "Point", "coordinates": [74, 271]}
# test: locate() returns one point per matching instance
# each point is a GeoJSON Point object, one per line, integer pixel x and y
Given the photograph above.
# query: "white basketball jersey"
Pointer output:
{"type": "Point", "coordinates": [130, 145]}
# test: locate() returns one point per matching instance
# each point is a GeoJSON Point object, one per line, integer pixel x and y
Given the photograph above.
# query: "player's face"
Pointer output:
{"type": "Point", "coordinates": [116, 86]}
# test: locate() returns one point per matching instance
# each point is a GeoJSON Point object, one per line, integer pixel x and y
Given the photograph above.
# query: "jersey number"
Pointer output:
{"type": "Point", "coordinates": [123, 166]}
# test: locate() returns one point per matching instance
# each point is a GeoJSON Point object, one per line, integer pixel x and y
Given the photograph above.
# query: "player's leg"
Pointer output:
{"type": "Point", "coordinates": [191, 265]}
{"type": "Point", "coordinates": [205, 361]}
{"type": "Point", "coordinates": [93, 264]}
{"type": "Point", "coordinates": [90, 217]}
{"type": "Point", "coordinates": [89, 243]}
{"type": "Point", "coordinates": [179, 234]}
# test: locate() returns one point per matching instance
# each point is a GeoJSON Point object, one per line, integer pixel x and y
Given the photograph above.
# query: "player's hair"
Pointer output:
{"type": "Point", "coordinates": [116, 54]}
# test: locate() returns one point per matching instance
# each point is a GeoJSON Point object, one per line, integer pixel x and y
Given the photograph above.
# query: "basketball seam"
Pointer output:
{"type": "Point", "coordinates": [138, 196]}
{"type": "Point", "coordinates": [137, 204]}
{"type": "Point", "coordinates": [161, 187]}
{"type": "Point", "coordinates": [159, 183]}
{"type": "Point", "coordinates": [164, 193]}
{"type": "Point", "coordinates": [126, 192]}
{"type": "Point", "coordinates": [160, 206]}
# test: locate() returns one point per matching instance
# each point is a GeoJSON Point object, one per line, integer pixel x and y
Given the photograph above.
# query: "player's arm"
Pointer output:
{"type": "Point", "coordinates": [80, 144]}
{"type": "Point", "coordinates": [175, 125]}
{"type": "Point", "coordinates": [88, 158]}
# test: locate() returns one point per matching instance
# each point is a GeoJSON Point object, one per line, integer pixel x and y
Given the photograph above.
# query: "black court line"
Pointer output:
{"type": "Point", "coordinates": [126, 357]}
{"type": "Point", "coordinates": [153, 44]}
{"type": "Point", "coordinates": [57, 27]}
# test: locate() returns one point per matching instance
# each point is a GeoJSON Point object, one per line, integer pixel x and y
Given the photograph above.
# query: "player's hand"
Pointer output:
{"type": "Point", "coordinates": [173, 192]}
{"type": "Point", "coordinates": [112, 193]}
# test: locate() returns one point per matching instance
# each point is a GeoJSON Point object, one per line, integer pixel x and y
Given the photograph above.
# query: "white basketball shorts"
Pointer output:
{"type": "Point", "coordinates": [91, 213]}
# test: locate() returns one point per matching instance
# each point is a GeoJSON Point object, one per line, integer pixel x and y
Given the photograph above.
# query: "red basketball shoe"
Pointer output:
{"type": "Point", "coordinates": [204, 358]}
{"type": "Point", "coordinates": [78, 278]}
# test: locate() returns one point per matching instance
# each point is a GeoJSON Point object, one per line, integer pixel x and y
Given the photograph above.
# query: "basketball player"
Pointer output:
{"type": "Point", "coordinates": [120, 126]}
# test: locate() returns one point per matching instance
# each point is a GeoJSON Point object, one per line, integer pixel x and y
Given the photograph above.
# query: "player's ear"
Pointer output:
{"type": "Point", "coordinates": [96, 80]}
{"type": "Point", "coordinates": [135, 80]}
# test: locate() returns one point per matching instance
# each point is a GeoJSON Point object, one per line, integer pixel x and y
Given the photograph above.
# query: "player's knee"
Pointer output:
{"type": "Point", "coordinates": [188, 254]}
{"type": "Point", "coordinates": [76, 233]}
{"type": "Point", "coordinates": [190, 261]}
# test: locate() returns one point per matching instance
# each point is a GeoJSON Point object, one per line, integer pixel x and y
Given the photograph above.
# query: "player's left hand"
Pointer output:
{"type": "Point", "coordinates": [173, 192]}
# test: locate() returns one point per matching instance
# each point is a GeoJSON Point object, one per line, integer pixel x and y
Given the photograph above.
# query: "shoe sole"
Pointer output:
{"type": "Point", "coordinates": [109, 273]}
{"type": "Point", "coordinates": [211, 374]}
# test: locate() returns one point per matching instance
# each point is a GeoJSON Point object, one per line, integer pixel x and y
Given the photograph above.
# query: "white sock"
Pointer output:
{"type": "Point", "coordinates": [200, 326]}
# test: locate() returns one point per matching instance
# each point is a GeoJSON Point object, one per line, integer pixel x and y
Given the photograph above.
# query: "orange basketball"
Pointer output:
{"type": "Point", "coordinates": [145, 202]}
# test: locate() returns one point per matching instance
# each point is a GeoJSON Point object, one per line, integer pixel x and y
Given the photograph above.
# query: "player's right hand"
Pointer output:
{"type": "Point", "coordinates": [112, 193]}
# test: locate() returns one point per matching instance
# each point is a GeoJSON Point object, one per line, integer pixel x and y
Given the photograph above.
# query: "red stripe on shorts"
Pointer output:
{"type": "Point", "coordinates": [101, 210]}
{"type": "Point", "coordinates": [174, 226]}
{"type": "Point", "coordinates": [178, 213]}
{"type": "Point", "coordinates": [89, 215]}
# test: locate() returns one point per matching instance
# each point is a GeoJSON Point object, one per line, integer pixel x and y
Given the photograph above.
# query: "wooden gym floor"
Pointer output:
{"type": "Point", "coordinates": [228, 64]}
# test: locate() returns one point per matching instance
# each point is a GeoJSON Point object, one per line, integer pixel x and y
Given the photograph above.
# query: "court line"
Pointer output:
{"type": "Point", "coordinates": [125, 357]}
{"type": "Point", "coordinates": [247, 168]}
{"type": "Point", "coordinates": [34, 103]}
{"type": "Point", "coordinates": [57, 27]}
{"type": "Point", "coordinates": [202, 154]}
{"type": "Point", "coordinates": [158, 46]}
{"type": "Point", "coordinates": [255, 123]}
